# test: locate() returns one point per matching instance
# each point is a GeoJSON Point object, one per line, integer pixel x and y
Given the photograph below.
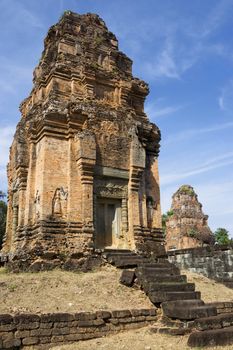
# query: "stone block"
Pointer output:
{"type": "Point", "coordinates": [22, 334]}
{"type": "Point", "coordinates": [40, 332]}
{"type": "Point", "coordinates": [143, 312]}
{"type": "Point", "coordinates": [45, 340]}
{"type": "Point", "coordinates": [7, 327]}
{"type": "Point", "coordinates": [126, 320]}
{"type": "Point", "coordinates": [134, 325]}
{"type": "Point", "coordinates": [89, 323]}
{"type": "Point", "coordinates": [85, 316]}
{"type": "Point", "coordinates": [46, 325]}
{"type": "Point", "coordinates": [26, 318]}
{"type": "Point", "coordinates": [211, 338]}
{"type": "Point", "coordinates": [30, 341]}
{"type": "Point", "coordinates": [151, 318]}
{"type": "Point", "coordinates": [7, 335]}
{"type": "Point", "coordinates": [174, 331]}
{"type": "Point", "coordinates": [57, 338]}
{"type": "Point", "coordinates": [28, 326]}
{"type": "Point", "coordinates": [61, 331]}
{"type": "Point", "coordinates": [215, 322]}
{"type": "Point", "coordinates": [73, 337]}
{"type": "Point", "coordinates": [11, 344]}
{"type": "Point", "coordinates": [103, 314]}
{"type": "Point", "coordinates": [57, 317]}
{"type": "Point", "coordinates": [5, 319]}
{"type": "Point", "coordinates": [121, 314]}
{"type": "Point", "coordinates": [127, 278]}
{"type": "Point", "coordinates": [114, 321]}
{"type": "Point", "coordinates": [189, 313]}
{"type": "Point", "coordinates": [60, 324]}
{"type": "Point", "coordinates": [138, 319]}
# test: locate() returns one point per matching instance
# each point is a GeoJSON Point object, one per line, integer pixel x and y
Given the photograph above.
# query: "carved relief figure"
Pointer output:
{"type": "Point", "coordinates": [151, 207]}
{"type": "Point", "coordinates": [59, 203]}
{"type": "Point", "coordinates": [37, 205]}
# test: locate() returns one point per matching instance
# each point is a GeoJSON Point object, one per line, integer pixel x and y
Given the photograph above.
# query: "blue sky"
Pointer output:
{"type": "Point", "coordinates": [183, 49]}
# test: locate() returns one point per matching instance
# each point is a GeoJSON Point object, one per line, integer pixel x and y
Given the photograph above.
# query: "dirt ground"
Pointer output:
{"type": "Point", "coordinates": [144, 339]}
{"type": "Point", "coordinates": [140, 339]}
{"type": "Point", "coordinates": [62, 291]}
{"type": "Point", "coordinates": [211, 291]}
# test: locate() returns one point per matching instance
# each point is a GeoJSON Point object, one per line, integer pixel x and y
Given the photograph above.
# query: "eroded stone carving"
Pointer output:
{"type": "Point", "coordinates": [37, 205]}
{"type": "Point", "coordinates": [59, 202]}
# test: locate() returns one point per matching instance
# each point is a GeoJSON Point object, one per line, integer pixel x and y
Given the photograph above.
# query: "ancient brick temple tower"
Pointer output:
{"type": "Point", "coordinates": [83, 171]}
{"type": "Point", "coordinates": [187, 225]}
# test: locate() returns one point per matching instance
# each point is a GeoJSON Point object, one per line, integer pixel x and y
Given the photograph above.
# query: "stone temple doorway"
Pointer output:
{"type": "Point", "coordinates": [108, 223]}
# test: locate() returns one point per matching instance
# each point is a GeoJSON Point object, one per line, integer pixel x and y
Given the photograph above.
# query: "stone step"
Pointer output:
{"type": "Point", "coordinates": [159, 264]}
{"type": "Point", "coordinates": [214, 337]}
{"type": "Point", "coordinates": [228, 284]}
{"type": "Point", "coordinates": [161, 296]}
{"type": "Point", "coordinates": [117, 250]}
{"type": "Point", "coordinates": [171, 331]}
{"type": "Point", "coordinates": [173, 287]}
{"type": "Point", "coordinates": [182, 303]}
{"type": "Point", "coordinates": [157, 271]}
{"type": "Point", "coordinates": [127, 262]}
{"type": "Point", "coordinates": [152, 264]}
{"type": "Point", "coordinates": [215, 322]}
{"type": "Point", "coordinates": [113, 258]}
{"type": "Point", "coordinates": [118, 253]}
{"type": "Point", "coordinates": [163, 278]}
{"type": "Point", "coordinates": [189, 312]}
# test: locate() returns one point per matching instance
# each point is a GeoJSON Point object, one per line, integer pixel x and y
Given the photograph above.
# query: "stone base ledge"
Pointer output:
{"type": "Point", "coordinates": [39, 331]}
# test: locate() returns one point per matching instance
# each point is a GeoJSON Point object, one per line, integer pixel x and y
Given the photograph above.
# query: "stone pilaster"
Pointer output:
{"type": "Point", "coordinates": [86, 159]}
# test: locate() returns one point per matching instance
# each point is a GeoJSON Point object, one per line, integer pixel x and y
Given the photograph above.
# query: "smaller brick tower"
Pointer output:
{"type": "Point", "coordinates": [187, 225]}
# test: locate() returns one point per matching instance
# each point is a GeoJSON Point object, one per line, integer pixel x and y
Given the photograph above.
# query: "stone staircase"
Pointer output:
{"type": "Point", "coordinates": [212, 331]}
{"type": "Point", "coordinates": [123, 258]}
{"type": "Point", "coordinates": [182, 307]}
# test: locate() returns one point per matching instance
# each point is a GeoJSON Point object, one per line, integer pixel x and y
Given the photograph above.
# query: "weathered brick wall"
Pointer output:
{"type": "Point", "coordinates": [215, 262]}
{"type": "Point", "coordinates": [20, 331]}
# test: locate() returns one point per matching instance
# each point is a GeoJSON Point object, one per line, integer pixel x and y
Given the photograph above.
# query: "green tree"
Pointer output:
{"type": "Point", "coordinates": [164, 220]}
{"type": "Point", "coordinates": [3, 213]}
{"type": "Point", "coordinates": [222, 236]}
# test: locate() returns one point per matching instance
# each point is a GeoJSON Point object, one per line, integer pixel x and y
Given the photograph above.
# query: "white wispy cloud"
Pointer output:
{"type": "Point", "coordinates": [12, 77]}
{"type": "Point", "coordinates": [214, 163]}
{"type": "Point", "coordinates": [225, 99]}
{"type": "Point", "coordinates": [216, 17]}
{"type": "Point", "coordinates": [190, 133]}
{"type": "Point", "coordinates": [30, 18]}
{"type": "Point", "coordinates": [6, 137]}
{"type": "Point", "coordinates": [164, 64]}
{"type": "Point", "coordinates": [186, 44]}
{"type": "Point", "coordinates": [155, 110]}
{"type": "Point", "coordinates": [18, 15]}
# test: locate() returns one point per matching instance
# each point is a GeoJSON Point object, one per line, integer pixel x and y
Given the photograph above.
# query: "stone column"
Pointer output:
{"type": "Point", "coordinates": [86, 168]}
{"type": "Point", "coordinates": [137, 165]}
{"type": "Point", "coordinates": [15, 218]}
{"type": "Point", "coordinates": [22, 176]}
{"type": "Point", "coordinates": [153, 191]}
{"type": "Point", "coordinates": [30, 191]}
{"type": "Point", "coordinates": [124, 214]}
{"type": "Point", "coordinates": [124, 219]}
{"type": "Point", "coordinates": [86, 158]}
